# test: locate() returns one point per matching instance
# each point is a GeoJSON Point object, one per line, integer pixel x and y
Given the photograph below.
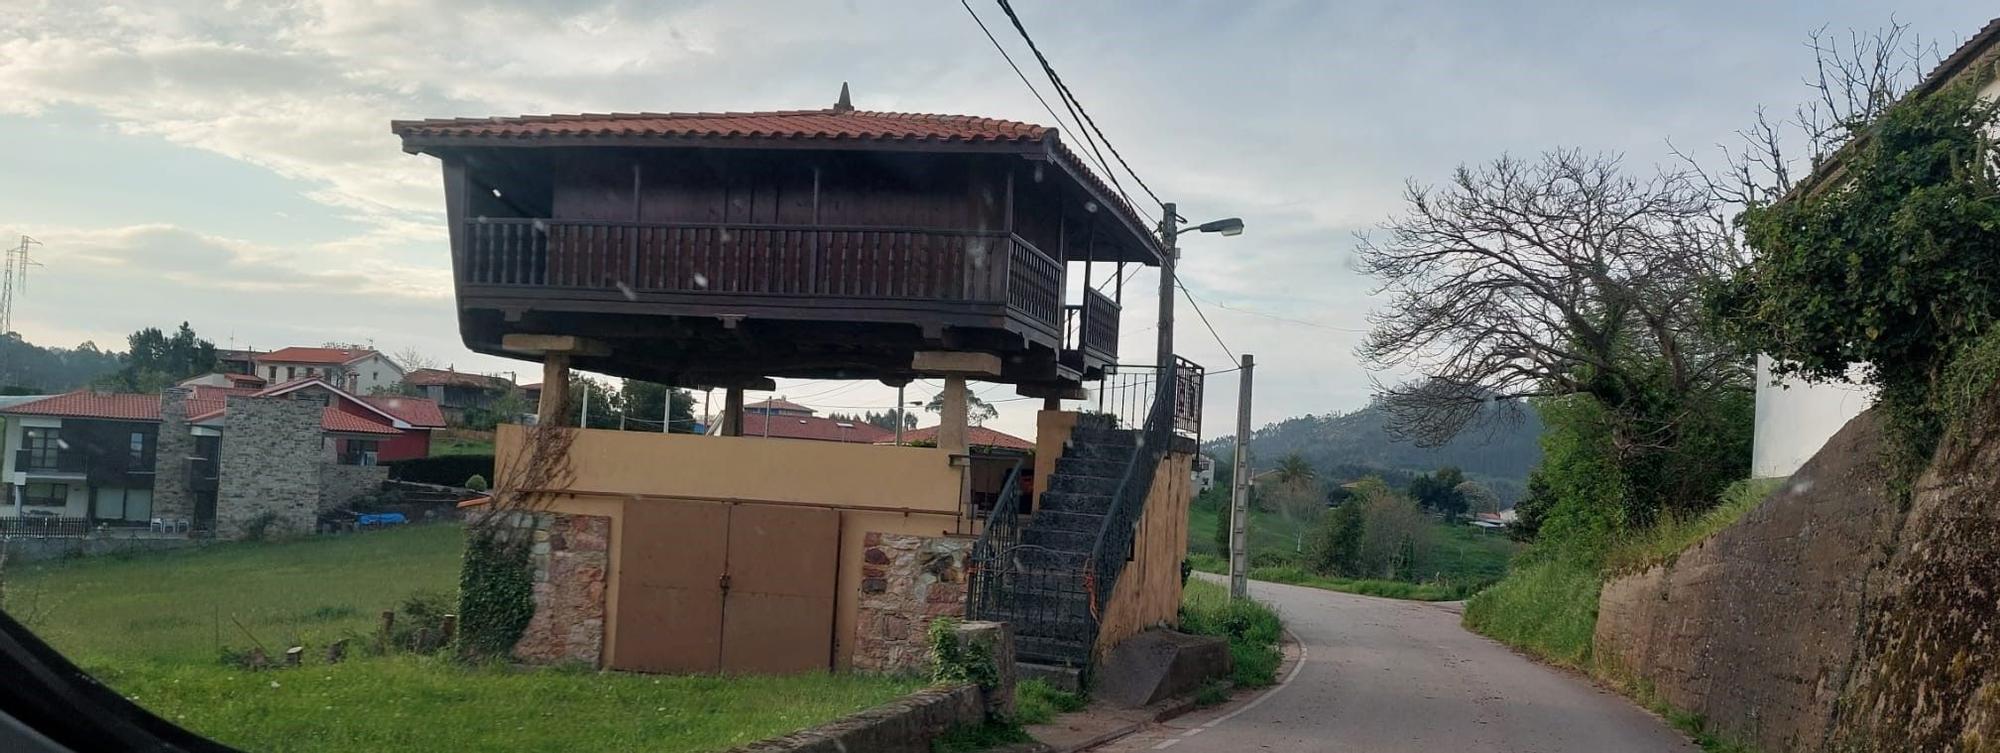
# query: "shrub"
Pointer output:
{"type": "Point", "coordinates": [1036, 702]}
{"type": "Point", "coordinates": [1548, 608]}
{"type": "Point", "coordinates": [495, 595]}
{"type": "Point", "coordinates": [477, 483]}
{"type": "Point", "coordinates": [1252, 629]}
{"type": "Point", "coordinates": [443, 470]}
{"type": "Point", "coordinates": [1334, 545]}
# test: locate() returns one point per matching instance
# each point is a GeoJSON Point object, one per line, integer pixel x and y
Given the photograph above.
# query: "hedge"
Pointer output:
{"type": "Point", "coordinates": [445, 470]}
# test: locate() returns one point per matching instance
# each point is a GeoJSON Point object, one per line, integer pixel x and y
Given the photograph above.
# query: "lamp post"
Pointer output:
{"type": "Point", "coordinates": [1239, 518]}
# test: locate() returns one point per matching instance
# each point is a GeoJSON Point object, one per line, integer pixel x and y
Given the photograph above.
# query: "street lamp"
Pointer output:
{"type": "Point", "coordinates": [1227, 226]}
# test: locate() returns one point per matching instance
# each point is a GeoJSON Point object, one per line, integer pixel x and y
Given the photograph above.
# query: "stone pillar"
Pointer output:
{"type": "Point", "coordinates": [732, 412]}
{"type": "Point", "coordinates": [998, 638]}
{"type": "Point", "coordinates": [270, 464]}
{"type": "Point", "coordinates": [952, 418]}
{"type": "Point", "coordinates": [554, 407]}
{"type": "Point", "coordinates": [172, 499]}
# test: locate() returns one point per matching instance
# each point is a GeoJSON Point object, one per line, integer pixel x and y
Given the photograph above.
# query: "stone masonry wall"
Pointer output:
{"type": "Point", "coordinates": [271, 457]}
{"type": "Point", "coordinates": [571, 557]}
{"type": "Point", "coordinates": [172, 500]}
{"type": "Point", "coordinates": [906, 582]}
{"type": "Point", "coordinates": [1756, 628]}
{"type": "Point", "coordinates": [339, 484]}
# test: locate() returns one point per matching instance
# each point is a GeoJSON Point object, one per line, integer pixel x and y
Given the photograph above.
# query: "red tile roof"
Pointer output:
{"type": "Point", "coordinates": [88, 404]}
{"type": "Point", "coordinates": [419, 412]}
{"type": "Point", "coordinates": [316, 355]}
{"type": "Point", "coordinates": [831, 127]}
{"type": "Point", "coordinates": [827, 125]}
{"type": "Point", "coordinates": [1955, 63]}
{"type": "Point", "coordinates": [813, 427]}
{"type": "Point", "coordinates": [977, 436]}
{"type": "Point", "coordinates": [337, 420]}
{"type": "Point", "coordinates": [447, 378]}
{"type": "Point", "coordinates": [778, 404]}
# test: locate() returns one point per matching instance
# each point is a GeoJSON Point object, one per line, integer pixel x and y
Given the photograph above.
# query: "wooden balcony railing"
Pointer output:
{"type": "Point", "coordinates": [766, 260]}
{"type": "Point", "coordinates": [1091, 328]}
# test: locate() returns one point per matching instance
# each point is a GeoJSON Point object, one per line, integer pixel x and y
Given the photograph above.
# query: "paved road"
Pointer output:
{"type": "Point", "coordinates": [1387, 676]}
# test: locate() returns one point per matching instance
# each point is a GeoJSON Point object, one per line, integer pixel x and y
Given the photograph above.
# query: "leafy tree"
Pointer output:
{"type": "Point", "coordinates": [1335, 544]}
{"type": "Point", "coordinates": [1478, 498]}
{"type": "Point", "coordinates": [644, 402]}
{"type": "Point", "coordinates": [1439, 493]}
{"type": "Point", "coordinates": [155, 360]}
{"type": "Point", "coordinates": [28, 369]}
{"type": "Point", "coordinates": [977, 411]}
{"type": "Point", "coordinates": [603, 404]}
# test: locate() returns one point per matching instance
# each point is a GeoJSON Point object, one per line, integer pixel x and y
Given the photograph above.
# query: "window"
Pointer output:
{"type": "Point", "coordinates": [273, 373]}
{"type": "Point", "coordinates": [136, 460]}
{"type": "Point", "coordinates": [46, 495]}
{"type": "Point", "coordinates": [130, 505]}
{"type": "Point", "coordinates": [291, 373]}
{"type": "Point", "coordinates": [43, 444]}
{"type": "Point", "coordinates": [361, 452]}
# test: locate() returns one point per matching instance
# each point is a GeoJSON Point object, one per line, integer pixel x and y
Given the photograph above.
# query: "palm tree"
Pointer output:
{"type": "Point", "coordinates": [1295, 470]}
{"type": "Point", "coordinates": [1298, 494]}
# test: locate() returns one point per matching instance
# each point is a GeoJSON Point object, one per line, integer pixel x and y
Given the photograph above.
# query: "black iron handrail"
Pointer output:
{"type": "Point", "coordinates": [1108, 554]}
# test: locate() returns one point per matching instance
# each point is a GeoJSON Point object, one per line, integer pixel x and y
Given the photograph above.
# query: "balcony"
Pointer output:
{"type": "Point", "coordinates": [1090, 331]}
{"type": "Point", "coordinates": [49, 462]}
{"type": "Point", "coordinates": [810, 271]}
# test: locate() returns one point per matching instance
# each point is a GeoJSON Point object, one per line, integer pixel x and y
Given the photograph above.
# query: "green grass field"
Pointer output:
{"type": "Point", "coordinates": [150, 626]}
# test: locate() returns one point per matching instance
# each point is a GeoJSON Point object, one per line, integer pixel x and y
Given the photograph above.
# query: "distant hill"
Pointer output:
{"type": "Point", "coordinates": [1347, 446]}
{"type": "Point", "coordinates": [26, 368]}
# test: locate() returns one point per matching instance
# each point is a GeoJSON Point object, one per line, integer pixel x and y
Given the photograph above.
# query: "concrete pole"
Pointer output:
{"type": "Point", "coordinates": [667, 411]}
{"type": "Point", "coordinates": [898, 415]}
{"type": "Point", "coordinates": [1239, 489]}
{"type": "Point", "coordinates": [952, 419]}
{"type": "Point", "coordinates": [555, 390]}
{"type": "Point", "coordinates": [583, 416]}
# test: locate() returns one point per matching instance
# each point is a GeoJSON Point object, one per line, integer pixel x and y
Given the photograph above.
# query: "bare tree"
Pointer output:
{"type": "Point", "coordinates": [1856, 76]}
{"type": "Point", "coordinates": [1553, 276]}
{"type": "Point", "coordinates": [411, 359]}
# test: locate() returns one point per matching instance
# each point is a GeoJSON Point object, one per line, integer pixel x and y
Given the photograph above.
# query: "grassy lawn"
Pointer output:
{"type": "Point", "coordinates": [460, 442]}
{"type": "Point", "coordinates": [150, 627]}
{"type": "Point", "coordinates": [1253, 630]}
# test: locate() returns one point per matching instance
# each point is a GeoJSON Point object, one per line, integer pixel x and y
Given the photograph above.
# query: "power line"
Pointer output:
{"type": "Point", "coordinates": [1204, 319]}
{"type": "Point", "coordinates": [1069, 99]}
{"type": "Point", "coordinates": [1101, 164]}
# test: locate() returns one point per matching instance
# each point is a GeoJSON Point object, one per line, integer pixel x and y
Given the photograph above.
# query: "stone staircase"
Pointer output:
{"type": "Point", "coordinates": [1049, 603]}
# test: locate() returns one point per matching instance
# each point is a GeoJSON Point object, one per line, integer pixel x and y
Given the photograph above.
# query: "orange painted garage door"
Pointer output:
{"type": "Point", "coordinates": [725, 587]}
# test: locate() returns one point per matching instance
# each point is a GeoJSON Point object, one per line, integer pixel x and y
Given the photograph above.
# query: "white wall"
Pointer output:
{"type": "Point", "coordinates": [1794, 419]}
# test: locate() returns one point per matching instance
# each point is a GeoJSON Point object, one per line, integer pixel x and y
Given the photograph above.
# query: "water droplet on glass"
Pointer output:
{"type": "Point", "coordinates": [626, 290]}
{"type": "Point", "coordinates": [700, 280]}
{"type": "Point", "coordinates": [541, 227]}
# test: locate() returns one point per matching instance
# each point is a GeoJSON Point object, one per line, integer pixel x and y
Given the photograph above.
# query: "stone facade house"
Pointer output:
{"type": "Point", "coordinates": [200, 459]}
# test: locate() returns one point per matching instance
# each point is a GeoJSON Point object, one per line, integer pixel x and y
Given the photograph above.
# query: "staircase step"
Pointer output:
{"type": "Point", "coordinates": [1105, 437]}
{"type": "Point", "coordinates": [1046, 650]}
{"type": "Point", "coordinates": [1062, 482]}
{"type": "Point", "coordinates": [1059, 539]}
{"type": "Point", "coordinates": [1076, 466]}
{"type": "Point", "coordinates": [1102, 421]}
{"type": "Point", "coordinates": [1062, 520]}
{"type": "Point", "coordinates": [1082, 451]}
{"type": "Point", "coordinates": [1052, 559]}
{"type": "Point", "coordinates": [1077, 502]}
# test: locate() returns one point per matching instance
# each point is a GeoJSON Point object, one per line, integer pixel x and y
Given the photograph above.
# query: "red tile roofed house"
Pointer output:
{"type": "Point", "coordinates": [791, 426]}
{"type": "Point", "coordinates": [778, 406]}
{"type": "Point", "coordinates": [356, 369]}
{"type": "Point", "coordinates": [976, 436]}
{"type": "Point", "coordinates": [456, 392]}
{"type": "Point", "coordinates": [97, 457]}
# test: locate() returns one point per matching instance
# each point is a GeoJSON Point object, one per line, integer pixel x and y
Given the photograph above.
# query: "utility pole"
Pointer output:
{"type": "Point", "coordinates": [1169, 230]}
{"type": "Point", "coordinates": [583, 416]}
{"type": "Point", "coordinates": [667, 410]}
{"type": "Point", "coordinates": [898, 415]}
{"type": "Point", "coordinates": [1239, 489]}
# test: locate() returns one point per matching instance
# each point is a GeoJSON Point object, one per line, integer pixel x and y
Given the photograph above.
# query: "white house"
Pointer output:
{"type": "Point", "coordinates": [357, 370]}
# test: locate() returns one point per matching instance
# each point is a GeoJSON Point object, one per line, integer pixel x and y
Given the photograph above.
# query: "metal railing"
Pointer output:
{"type": "Point", "coordinates": [1129, 393]}
{"type": "Point", "coordinates": [899, 263]}
{"type": "Point", "coordinates": [44, 527]}
{"type": "Point", "coordinates": [1115, 535]}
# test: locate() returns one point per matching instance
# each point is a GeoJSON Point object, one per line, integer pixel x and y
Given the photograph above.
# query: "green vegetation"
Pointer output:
{"type": "Point", "coordinates": [1036, 702]}
{"type": "Point", "coordinates": [426, 703]}
{"type": "Point", "coordinates": [1674, 534]}
{"type": "Point", "coordinates": [463, 443]}
{"type": "Point", "coordinates": [155, 627]}
{"type": "Point", "coordinates": [1450, 562]}
{"type": "Point", "coordinates": [977, 737]}
{"type": "Point", "coordinates": [1893, 266]}
{"type": "Point", "coordinates": [1252, 628]}
{"type": "Point", "coordinates": [1548, 608]}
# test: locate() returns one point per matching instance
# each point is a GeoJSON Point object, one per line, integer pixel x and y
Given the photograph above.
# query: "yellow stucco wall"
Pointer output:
{"type": "Point", "coordinates": [611, 469]}
{"type": "Point", "coordinates": [1148, 593]}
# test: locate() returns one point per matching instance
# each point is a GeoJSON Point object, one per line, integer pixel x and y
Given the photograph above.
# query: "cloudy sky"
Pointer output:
{"type": "Point", "coordinates": [230, 164]}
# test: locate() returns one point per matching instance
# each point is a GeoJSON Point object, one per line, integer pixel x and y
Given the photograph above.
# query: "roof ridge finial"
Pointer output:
{"type": "Point", "coordinates": [845, 104]}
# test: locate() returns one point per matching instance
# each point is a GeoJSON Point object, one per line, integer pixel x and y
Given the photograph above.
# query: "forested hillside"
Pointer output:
{"type": "Point", "coordinates": [26, 368]}
{"type": "Point", "coordinates": [1346, 446]}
